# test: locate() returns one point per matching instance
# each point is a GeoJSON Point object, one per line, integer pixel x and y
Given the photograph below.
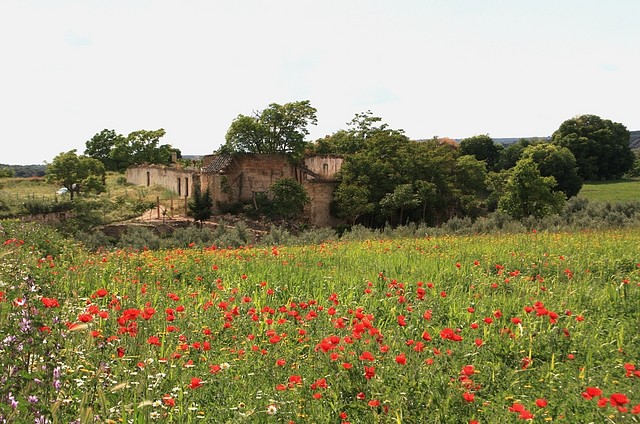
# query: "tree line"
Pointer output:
{"type": "Point", "coordinates": [387, 178]}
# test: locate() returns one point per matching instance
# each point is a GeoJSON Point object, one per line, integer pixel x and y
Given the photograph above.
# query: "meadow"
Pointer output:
{"type": "Point", "coordinates": [611, 191]}
{"type": "Point", "coordinates": [466, 329]}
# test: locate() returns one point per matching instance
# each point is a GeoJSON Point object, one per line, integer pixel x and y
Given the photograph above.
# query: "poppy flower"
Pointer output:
{"type": "Point", "coordinates": [401, 359]}
{"type": "Point", "coordinates": [618, 399]}
{"type": "Point", "coordinates": [541, 403]}
{"type": "Point", "coordinates": [195, 383]}
{"type": "Point", "coordinates": [591, 392]}
{"type": "Point", "coordinates": [367, 356]}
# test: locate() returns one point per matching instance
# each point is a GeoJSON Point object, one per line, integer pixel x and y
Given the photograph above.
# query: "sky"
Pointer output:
{"type": "Point", "coordinates": [446, 68]}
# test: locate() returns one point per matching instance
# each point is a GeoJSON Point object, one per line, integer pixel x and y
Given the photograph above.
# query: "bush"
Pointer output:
{"type": "Point", "coordinates": [185, 237]}
{"type": "Point", "coordinates": [139, 238]}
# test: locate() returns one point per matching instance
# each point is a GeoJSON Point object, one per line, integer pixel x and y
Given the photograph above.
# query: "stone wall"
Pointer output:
{"type": "Point", "coordinates": [239, 177]}
{"type": "Point", "coordinates": [180, 181]}
{"type": "Point", "coordinates": [327, 166]}
{"type": "Point", "coordinates": [318, 211]}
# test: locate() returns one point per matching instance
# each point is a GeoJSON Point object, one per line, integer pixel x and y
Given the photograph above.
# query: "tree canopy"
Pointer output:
{"type": "Point", "coordinates": [117, 152]}
{"type": "Point", "coordinates": [76, 173]}
{"type": "Point", "coordinates": [289, 197]}
{"type": "Point", "coordinates": [483, 148]}
{"type": "Point", "coordinates": [528, 193]}
{"type": "Point", "coordinates": [276, 129]}
{"type": "Point", "coordinates": [557, 162]}
{"type": "Point", "coordinates": [600, 146]}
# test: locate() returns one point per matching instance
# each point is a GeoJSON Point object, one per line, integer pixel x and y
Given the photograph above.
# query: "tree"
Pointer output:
{"type": "Point", "coordinates": [289, 197]}
{"type": "Point", "coordinates": [6, 173]}
{"type": "Point", "coordinates": [402, 197]}
{"type": "Point", "coordinates": [277, 129]}
{"type": "Point", "coordinates": [145, 147]}
{"type": "Point", "coordinates": [76, 173]}
{"type": "Point", "coordinates": [512, 153]}
{"type": "Point", "coordinates": [200, 205]}
{"type": "Point", "coordinates": [600, 146]}
{"type": "Point", "coordinates": [353, 140]}
{"type": "Point", "coordinates": [528, 193]}
{"type": "Point", "coordinates": [557, 162]}
{"type": "Point", "coordinates": [483, 148]}
{"type": "Point", "coordinates": [117, 152]}
{"type": "Point", "coordinates": [470, 186]}
{"type": "Point", "coordinates": [352, 201]}
{"type": "Point", "coordinates": [101, 145]}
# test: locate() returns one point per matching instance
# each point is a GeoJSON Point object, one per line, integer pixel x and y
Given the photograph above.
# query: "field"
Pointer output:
{"type": "Point", "coordinates": [611, 191]}
{"type": "Point", "coordinates": [483, 329]}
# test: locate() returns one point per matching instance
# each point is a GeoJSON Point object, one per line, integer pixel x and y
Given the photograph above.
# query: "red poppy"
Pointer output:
{"type": "Point", "coordinates": [591, 392]}
{"type": "Point", "coordinates": [618, 399]}
{"type": "Point", "coordinates": [401, 359]}
{"type": "Point", "coordinates": [369, 372]}
{"type": "Point", "coordinates": [49, 302]}
{"type": "Point", "coordinates": [541, 403]}
{"type": "Point", "coordinates": [195, 383]}
{"type": "Point", "coordinates": [367, 356]}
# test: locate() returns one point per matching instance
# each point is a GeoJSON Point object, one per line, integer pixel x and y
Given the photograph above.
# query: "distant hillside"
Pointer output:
{"type": "Point", "coordinates": [507, 141]}
{"type": "Point", "coordinates": [25, 171]}
{"type": "Point", "coordinates": [634, 142]}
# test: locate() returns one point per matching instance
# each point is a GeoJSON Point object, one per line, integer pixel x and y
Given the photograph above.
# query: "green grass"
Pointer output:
{"type": "Point", "coordinates": [611, 191]}
{"type": "Point", "coordinates": [361, 332]}
{"type": "Point", "coordinates": [15, 192]}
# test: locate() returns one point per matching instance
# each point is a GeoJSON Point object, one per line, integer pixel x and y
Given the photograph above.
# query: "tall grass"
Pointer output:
{"type": "Point", "coordinates": [436, 329]}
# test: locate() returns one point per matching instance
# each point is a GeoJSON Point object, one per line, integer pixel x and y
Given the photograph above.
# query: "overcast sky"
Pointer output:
{"type": "Point", "coordinates": [448, 68]}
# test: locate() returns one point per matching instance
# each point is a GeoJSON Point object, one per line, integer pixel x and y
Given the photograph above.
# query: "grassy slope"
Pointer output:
{"type": "Point", "coordinates": [611, 191]}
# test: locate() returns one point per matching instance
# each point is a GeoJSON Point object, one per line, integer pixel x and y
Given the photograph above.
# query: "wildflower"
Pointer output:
{"type": "Point", "coordinates": [195, 383]}
{"type": "Point", "coordinates": [591, 392]}
{"type": "Point", "coordinates": [618, 399]}
{"type": "Point", "coordinates": [468, 370]}
{"type": "Point", "coordinates": [541, 403]}
{"type": "Point", "coordinates": [366, 356]}
{"type": "Point", "coordinates": [469, 397]}
{"type": "Point", "coordinates": [401, 359]}
{"type": "Point", "coordinates": [272, 409]}
{"type": "Point", "coordinates": [50, 302]}
{"type": "Point", "coordinates": [369, 372]}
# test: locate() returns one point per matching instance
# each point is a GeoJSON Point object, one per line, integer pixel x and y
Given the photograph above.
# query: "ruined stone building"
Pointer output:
{"type": "Point", "coordinates": [239, 177]}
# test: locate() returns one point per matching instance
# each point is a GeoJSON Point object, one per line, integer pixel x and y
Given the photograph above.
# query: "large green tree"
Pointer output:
{"type": "Point", "coordinates": [557, 162]}
{"type": "Point", "coordinates": [276, 129]}
{"type": "Point", "coordinates": [117, 152]}
{"type": "Point", "coordinates": [600, 146]}
{"type": "Point", "coordinates": [353, 139]}
{"type": "Point", "coordinates": [76, 173]}
{"type": "Point", "coordinates": [527, 193]}
{"type": "Point", "coordinates": [289, 197]}
{"type": "Point", "coordinates": [483, 148]}
{"type": "Point", "coordinates": [101, 146]}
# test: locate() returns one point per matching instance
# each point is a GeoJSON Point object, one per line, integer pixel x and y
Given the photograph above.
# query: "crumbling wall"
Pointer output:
{"type": "Point", "coordinates": [178, 180]}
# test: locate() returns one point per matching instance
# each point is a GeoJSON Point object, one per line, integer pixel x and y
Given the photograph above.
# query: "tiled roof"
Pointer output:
{"type": "Point", "coordinates": [219, 163]}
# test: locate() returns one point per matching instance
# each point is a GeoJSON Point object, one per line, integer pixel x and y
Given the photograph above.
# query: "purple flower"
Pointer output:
{"type": "Point", "coordinates": [12, 401]}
